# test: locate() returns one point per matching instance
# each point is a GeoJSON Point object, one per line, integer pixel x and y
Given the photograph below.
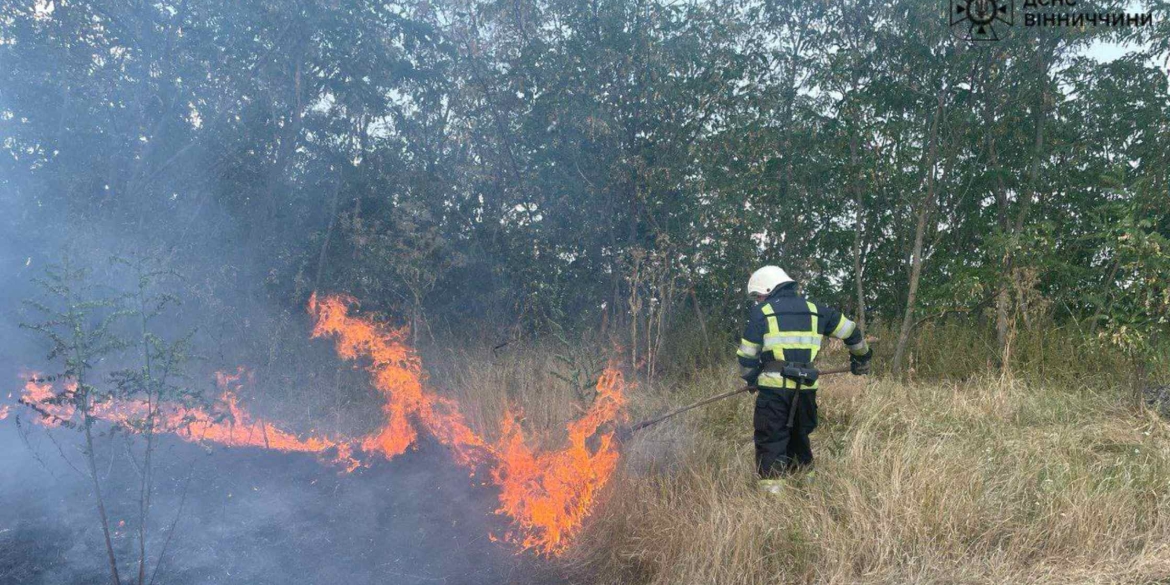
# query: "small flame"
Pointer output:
{"type": "Point", "coordinates": [39, 395]}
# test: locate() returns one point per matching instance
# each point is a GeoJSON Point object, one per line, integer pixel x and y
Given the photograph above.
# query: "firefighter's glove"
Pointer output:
{"type": "Point", "coordinates": [859, 364]}
{"type": "Point", "coordinates": [749, 375]}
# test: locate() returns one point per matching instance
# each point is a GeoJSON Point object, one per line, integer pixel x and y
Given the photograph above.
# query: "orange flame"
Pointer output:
{"type": "Point", "coordinates": [396, 372]}
{"type": "Point", "coordinates": [227, 423]}
{"type": "Point", "coordinates": [39, 395]}
{"type": "Point", "coordinates": [548, 495]}
{"type": "Point", "coordinates": [242, 430]}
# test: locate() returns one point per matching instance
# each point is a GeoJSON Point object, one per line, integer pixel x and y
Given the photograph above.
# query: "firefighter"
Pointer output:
{"type": "Point", "coordinates": [779, 345]}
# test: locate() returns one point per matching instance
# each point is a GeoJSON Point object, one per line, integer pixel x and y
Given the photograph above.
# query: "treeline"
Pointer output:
{"type": "Point", "coordinates": [625, 164]}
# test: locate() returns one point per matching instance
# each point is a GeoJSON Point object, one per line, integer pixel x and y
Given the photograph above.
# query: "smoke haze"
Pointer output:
{"type": "Point", "coordinates": [256, 517]}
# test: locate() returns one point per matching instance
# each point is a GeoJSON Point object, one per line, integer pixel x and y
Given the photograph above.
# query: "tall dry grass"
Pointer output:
{"type": "Point", "coordinates": [982, 481]}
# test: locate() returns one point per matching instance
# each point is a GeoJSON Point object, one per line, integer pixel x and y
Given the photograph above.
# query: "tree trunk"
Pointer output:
{"type": "Point", "coordinates": [924, 212]}
{"type": "Point", "coordinates": [152, 399]}
{"type": "Point", "coordinates": [328, 234]}
{"type": "Point", "coordinates": [702, 320]}
{"type": "Point", "coordinates": [912, 293]}
{"type": "Point", "coordinates": [79, 355]}
{"type": "Point", "coordinates": [1004, 327]}
{"type": "Point", "coordinates": [1002, 299]}
{"type": "Point", "coordinates": [97, 491]}
{"type": "Point", "coordinates": [858, 225]}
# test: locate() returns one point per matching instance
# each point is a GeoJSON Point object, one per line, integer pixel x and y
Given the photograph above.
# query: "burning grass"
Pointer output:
{"type": "Point", "coordinates": [547, 493]}
{"type": "Point", "coordinates": [550, 494]}
{"type": "Point", "coordinates": [226, 422]}
{"type": "Point", "coordinates": [983, 481]}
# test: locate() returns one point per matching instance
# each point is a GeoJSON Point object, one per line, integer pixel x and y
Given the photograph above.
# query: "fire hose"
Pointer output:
{"type": "Point", "coordinates": [624, 433]}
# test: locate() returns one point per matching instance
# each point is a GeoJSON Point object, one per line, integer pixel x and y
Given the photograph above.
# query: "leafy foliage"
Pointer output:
{"type": "Point", "coordinates": [500, 163]}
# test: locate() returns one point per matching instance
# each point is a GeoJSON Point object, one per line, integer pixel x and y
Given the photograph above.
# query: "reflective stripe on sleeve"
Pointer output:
{"type": "Point", "coordinates": [748, 349]}
{"type": "Point", "coordinates": [845, 328]}
{"type": "Point", "coordinates": [859, 348]}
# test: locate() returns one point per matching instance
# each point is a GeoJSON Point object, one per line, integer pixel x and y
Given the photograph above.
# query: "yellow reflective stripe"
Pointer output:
{"type": "Point", "coordinates": [803, 339]}
{"type": "Point", "coordinates": [844, 328]}
{"type": "Point", "coordinates": [748, 349]}
{"type": "Point", "coordinates": [775, 380]}
{"type": "Point", "coordinates": [770, 316]}
{"type": "Point", "coordinates": [793, 340]}
{"type": "Point", "coordinates": [859, 348]}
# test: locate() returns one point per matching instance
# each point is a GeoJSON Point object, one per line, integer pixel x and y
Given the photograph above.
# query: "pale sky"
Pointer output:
{"type": "Point", "coordinates": [1104, 51]}
{"type": "Point", "coordinates": [1109, 51]}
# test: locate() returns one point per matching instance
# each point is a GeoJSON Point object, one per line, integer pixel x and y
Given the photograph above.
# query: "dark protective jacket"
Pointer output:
{"type": "Point", "coordinates": [787, 326]}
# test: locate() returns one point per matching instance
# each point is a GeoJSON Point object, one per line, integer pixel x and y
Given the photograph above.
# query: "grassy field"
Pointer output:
{"type": "Point", "coordinates": [981, 481]}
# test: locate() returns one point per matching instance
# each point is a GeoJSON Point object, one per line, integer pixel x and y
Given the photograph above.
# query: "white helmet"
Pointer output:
{"type": "Point", "coordinates": [766, 279]}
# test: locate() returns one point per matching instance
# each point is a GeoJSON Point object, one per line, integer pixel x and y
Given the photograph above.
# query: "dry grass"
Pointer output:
{"type": "Point", "coordinates": [985, 481]}
{"type": "Point", "coordinates": [981, 480]}
{"type": "Point", "coordinates": [487, 383]}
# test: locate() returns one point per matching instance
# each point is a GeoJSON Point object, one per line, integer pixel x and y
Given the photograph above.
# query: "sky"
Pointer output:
{"type": "Point", "coordinates": [1104, 51]}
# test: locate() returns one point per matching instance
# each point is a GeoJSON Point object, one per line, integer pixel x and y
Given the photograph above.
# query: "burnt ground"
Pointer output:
{"type": "Point", "coordinates": [253, 517]}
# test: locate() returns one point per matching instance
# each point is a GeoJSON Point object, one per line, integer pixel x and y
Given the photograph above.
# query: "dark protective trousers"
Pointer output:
{"type": "Point", "coordinates": [780, 449]}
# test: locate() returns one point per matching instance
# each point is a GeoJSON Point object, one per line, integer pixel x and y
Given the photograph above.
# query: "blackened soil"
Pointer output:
{"type": "Point", "coordinates": [251, 517]}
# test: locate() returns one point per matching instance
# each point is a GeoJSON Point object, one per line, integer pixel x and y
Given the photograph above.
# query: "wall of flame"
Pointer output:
{"type": "Point", "coordinates": [547, 494]}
